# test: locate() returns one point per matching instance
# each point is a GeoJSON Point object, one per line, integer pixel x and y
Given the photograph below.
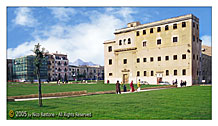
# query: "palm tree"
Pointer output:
{"type": "Point", "coordinates": [38, 62]}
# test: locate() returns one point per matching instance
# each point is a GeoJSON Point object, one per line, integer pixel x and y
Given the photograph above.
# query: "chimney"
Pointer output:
{"type": "Point", "coordinates": [133, 24]}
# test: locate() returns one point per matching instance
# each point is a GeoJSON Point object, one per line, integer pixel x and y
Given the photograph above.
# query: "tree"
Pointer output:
{"type": "Point", "coordinates": [38, 62]}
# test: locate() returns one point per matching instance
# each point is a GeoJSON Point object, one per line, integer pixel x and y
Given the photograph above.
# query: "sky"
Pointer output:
{"type": "Point", "coordinates": [80, 32]}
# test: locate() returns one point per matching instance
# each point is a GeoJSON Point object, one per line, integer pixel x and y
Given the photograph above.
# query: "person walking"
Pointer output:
{"type": "Point", "coordinates": [132, 86]}
{"type": "Point", "coordinates": [118, 88]}
{"type": "Point", "coordinates": [138, 85]}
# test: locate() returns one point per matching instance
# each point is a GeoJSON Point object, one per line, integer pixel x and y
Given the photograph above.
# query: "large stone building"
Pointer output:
{"type": "Point", "coordinates": [57, 66]}
{"type": "Point", "coordinates": [85, 72]}
{"type": "Point", "coordinates": [206, 64]}
{"type": "Point", "coordinates": [165, 50]}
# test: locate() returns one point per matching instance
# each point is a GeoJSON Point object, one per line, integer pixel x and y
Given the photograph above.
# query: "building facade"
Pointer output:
{"type": "Point", "coordinates": [9, 69]}
{"type": "Point", "coordinates": [206, 64]}
{"type": "Point", "coordinates": [166, 50]}
{"type": "Point", "coordinates": [57, 66]}
{"type": "Point", "coordinates": [86, 72]}
{"type": "Point", "coordinates": [24, 69]}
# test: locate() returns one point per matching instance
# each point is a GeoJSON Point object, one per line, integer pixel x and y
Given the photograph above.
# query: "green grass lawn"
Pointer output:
{"type": "Point", "coordinates": [16, 89]}
{"type": "Point", "coordinates": [175, 103]}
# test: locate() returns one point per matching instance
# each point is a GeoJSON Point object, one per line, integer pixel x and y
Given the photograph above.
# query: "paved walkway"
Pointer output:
{"type": "Point", "coordinates": [143, 90]}
{"type": "Point", "coordinates": [94, 93]}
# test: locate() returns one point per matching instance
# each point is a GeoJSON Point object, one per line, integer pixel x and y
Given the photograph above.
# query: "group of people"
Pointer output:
{"type": "Point", "coordinates": [182, 83]}
{"type": "Point", "coordinates": [64, 82]}
{"type": "Point", "coordinates": [118, 91]}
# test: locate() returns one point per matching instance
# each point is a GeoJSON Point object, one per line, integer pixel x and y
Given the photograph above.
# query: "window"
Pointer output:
{"type": "Point", "coordinates": [197, 26]}
{"type": "Point", "coordinates": [144, 59]}
{"type": "Point", "coordinates": [183, 56]}
{"type": "Point", "coordinates": [144, 32]}
{"type": "Point", "coordinates": [109, 48]}
{"type": "Point", "coordinates": [144, 43]}
{"type": "Point", "coordinates": [159, 58]}
{"type": "Point", "coordinates": [158, 29]}
{"type": "Point", "coordinates": [175, 39]}
{"type": "Point", "coordinates": [138, 60]}
{"type": "Point", "coordinates": [193, 24]}
{"type": "Point", "coordinates": [120, 42]}
{"type": "Point", "coordinates": [183, 24]}
{"type": "Point", "coordinates": [145, 73]}
{"type": "Point", "coordinates": [152, 73]}
{"type": "Point", "coordinates": [183, 72]}
{"type": "Point", "coordinates": [110, 61]}
{"type": "Point", "coordinates": [167, 72]}
{"type": "Point", "coordinates": [137, 33]}
{"type": "Point", "coordinates": [151, 59]}
{"type": "Point", "coordinates": [166, 57]}
{"type": "Point", "coordinates": [193, 56]}
{"type": "Point", "coordinates": [197, 57]}
{"type": "Point", "coordinates": [159, 41]}
{"type": "Point", "coordinates": [175, 72]}
{"type": "Point", "coordinates": [138, 73]}
{"type": "Point", "coordinates": [197, 39]}
{"type": "Point", "coordinates": [151, 30]}
{"type": "Point", "coordinates": [124, 42]}
{"type": "Point", "coordinates": [129, 41]}
{"type": "Point", "coordinates": [193, 37]}
{"type": "Point", "coordinates": [124, 61]}
{"type": "Point", "coordinates": [174, 57]}
{"type": "Point", "coordinates": [174, 26]}
{"type": "Point", "coordinates": [110, 74]}
{"type": "Point", "coordinates": [166, 27]}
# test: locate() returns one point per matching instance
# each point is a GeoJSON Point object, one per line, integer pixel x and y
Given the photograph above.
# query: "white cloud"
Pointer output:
{"type": "Point", "coordinates": [125, 12]}
{"type": "Point", "coordinates": [84, 41]}
{"type": "Point", "coordinates": [24, 17]}
{"type": "Point", "coordinates": [63, 14]}
{"type": "Point", "coordinates": [206, 40]}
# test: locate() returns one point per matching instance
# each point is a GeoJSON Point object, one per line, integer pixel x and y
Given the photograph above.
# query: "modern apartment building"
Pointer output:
{"type": "Point", "coordinates": [24, 69]}
{"type": "Point", "coordinates": [166, 50]}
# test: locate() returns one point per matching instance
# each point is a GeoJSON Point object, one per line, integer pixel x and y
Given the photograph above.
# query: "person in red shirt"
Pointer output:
{"type": "Point", "coordinates": [132, 87]}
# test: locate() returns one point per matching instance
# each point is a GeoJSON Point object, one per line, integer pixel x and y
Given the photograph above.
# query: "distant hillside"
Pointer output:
{"type": "Point", "coordinates": [80, 62]}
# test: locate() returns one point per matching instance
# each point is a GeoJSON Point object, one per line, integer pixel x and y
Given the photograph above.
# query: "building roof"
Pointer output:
{"type": "Point", "coordinates": [156, 23]}
{"type": "Point", "coordinates": [109, 41]}
{"type": "Point", "coordinates": [207, 50]}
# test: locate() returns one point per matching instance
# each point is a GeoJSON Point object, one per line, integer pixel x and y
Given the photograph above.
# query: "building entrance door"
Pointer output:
{"type": "Point", "coordinates": [159, 79]}
{"type": "Point", "coordinates": [125, 78]}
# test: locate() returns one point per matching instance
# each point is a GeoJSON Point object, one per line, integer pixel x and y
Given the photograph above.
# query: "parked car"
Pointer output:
{"type": "Point", "coordinates": [144, 82]}
{"type": "Point", "coordinates": [164, 83]}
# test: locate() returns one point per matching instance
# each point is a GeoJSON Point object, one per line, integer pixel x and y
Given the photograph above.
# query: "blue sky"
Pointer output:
{"type": "Point", "coordinates": [80, 31]}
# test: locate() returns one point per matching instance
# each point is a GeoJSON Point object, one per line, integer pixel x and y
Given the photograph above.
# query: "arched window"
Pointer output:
{"type": "Point", "coordinates": [120, 42]}
{"type": "Point", "coordinates": [129, 41]}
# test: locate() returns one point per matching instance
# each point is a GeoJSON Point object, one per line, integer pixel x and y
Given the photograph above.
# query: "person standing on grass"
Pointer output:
{"type": "Point", "coordinates": [118, 88]}
{"type": "Point", "coordinates": [124, 88]}
{"type": "Point", "coordinates": [138, 85]}
{"type": "Point", "coordinates": [132, 87]}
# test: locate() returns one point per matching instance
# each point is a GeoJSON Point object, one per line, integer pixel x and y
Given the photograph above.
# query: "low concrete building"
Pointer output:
{"type": "Point", "coordinates": [86, 72]}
